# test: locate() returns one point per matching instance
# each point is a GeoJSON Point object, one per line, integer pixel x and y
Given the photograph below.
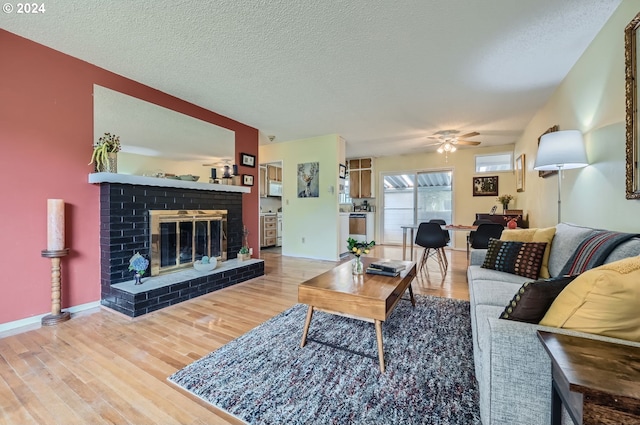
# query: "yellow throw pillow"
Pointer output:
{"type": "Point", "coordinates": [604, 301]}
{"type": "Point", "coordinates": [533, 235]}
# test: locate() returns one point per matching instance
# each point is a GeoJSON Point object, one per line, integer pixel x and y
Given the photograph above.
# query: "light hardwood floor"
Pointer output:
{"type": "Point", "coordinates": [103, 368]}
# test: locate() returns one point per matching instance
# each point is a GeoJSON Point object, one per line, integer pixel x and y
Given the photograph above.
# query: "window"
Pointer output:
{"type": "Point", "coordinates": [494, 162]}
{"type": "Point", "coordinates": [411, 198]}
{"type": "Point", "coordinates": [344, 195]}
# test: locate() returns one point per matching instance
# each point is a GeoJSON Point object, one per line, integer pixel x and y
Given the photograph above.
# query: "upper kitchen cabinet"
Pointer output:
{"type": "Point", "coordinates": [274, 173]}
{"type": "Point", "coordinates": [271, 180]}
{"type": "Point", "coordinates": [263, 181]}
{"type": "Point", "coordinates": [361, 178]}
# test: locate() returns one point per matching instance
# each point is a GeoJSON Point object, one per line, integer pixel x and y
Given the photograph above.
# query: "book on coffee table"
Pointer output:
{"type": "Point", "coordinates": [392, 266]}
{"type": "Point", "coordinates": [372, 270]}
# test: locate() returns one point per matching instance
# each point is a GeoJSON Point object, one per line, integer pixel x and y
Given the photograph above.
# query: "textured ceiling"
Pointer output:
{"type": "Point", "coordinates": [382, 74]}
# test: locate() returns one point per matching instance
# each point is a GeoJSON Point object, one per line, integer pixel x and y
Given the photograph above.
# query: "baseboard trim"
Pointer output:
{"type": "Point", "coordinates": [35, 321]}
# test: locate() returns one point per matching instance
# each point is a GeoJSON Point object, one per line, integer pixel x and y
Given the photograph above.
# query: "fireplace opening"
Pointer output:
{"type": "Point", "coordinates": [181, 237]}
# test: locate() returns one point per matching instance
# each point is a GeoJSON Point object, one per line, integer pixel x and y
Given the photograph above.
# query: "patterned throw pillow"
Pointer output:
{"type": "Point", "coordinates": [533, 235]}
{"type": "Point", "coordinates": [533, 299]}
{"type": "Point", "coordinates": [521, 258]}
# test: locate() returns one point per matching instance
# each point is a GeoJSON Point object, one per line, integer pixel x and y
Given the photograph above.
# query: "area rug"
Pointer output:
{"type": "Point", "coordinates": [264, 377]}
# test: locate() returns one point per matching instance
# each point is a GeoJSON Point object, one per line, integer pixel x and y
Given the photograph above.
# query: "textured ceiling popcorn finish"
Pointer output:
{"type": "Point", "coordinates": [382, 74]}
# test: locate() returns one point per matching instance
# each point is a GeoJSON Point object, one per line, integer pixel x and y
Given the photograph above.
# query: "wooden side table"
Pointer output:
{"type": "Point", "coordinates": [598, 382]}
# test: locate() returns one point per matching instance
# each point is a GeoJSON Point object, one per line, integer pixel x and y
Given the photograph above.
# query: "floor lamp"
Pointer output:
{"type": "Point", "coordinates": [559, 151]}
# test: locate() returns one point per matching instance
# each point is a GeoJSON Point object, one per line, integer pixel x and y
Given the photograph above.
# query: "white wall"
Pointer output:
{"type": "Point", "coordinates": [590, 99]}
{"type": "Point", "coordinates": [314, 219]}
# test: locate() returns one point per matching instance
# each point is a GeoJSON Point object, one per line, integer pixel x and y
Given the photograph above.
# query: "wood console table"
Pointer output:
{"type": "Point", "coordinates": [502, 219]}
{"type": "Point", "coordinates": [598, 382]}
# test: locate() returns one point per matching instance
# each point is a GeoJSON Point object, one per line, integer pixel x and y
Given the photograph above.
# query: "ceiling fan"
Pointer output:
{"type": "Point", "coordinates": [448, 140]}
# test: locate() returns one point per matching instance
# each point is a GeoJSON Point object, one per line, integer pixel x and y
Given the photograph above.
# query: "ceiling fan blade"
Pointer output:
{"type": "Point", "coordinates": [467, 142]}
{"type": "Point", "coordinates": [434, 137]}
{"type": "Point", "coordinates": [472, 134]}
{"type": "Point", "coordinates": [434, 144]}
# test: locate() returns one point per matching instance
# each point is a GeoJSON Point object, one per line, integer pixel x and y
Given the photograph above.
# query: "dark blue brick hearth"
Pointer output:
{"type": "Point", "coordinates": [136, 300]}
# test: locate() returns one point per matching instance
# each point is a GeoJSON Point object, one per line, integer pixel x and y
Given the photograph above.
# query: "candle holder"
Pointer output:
{"type": "Point", "coordinates": [56, 315]}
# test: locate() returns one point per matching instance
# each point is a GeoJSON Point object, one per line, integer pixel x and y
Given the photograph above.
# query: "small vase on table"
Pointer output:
{"type": "Point", "coordinates": [138, 277]}
{"type": "Point", "coordinates": [357, 266]}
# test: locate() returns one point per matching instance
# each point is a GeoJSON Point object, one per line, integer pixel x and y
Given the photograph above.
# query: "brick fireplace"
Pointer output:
{"type": "Point", "coordinates": [125, 202]}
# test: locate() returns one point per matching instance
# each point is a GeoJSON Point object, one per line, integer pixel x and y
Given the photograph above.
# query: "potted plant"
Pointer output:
{"type": "Point", "coordinates": [104, 153]}
{"type": "Point", "coordinates": [504, 200]}
{"type": "Point", "coordinates": [138, 265]}
{"type": "Point", "coordinates": [358, 249]}
{"type": "Point", "coordinates": [243, 254]}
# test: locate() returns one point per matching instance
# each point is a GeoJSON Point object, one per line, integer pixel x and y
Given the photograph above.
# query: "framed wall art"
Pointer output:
{"type": "Point", "coordinates": [247, 180]}
{"type": "Point", "coordinates": [520, 164]}
{"type": "Point", "coordinates": [248, 160]}
{"type": "Point", "coordinates": [342, 171]}
{"type": "Point", "coordinates": [308, 176]}
{"type": "Point", "coordinates": [485, 186]}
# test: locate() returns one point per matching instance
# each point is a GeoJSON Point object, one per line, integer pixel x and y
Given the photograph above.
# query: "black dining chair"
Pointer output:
{"type": "Point", "coordinates": [486, 231]}
{"type": "Point", "coordinates": [473, 232]}
{"type": "Point", "coordinates": [447, 236]}
{"type": "Point", "coordinates": [432, 239]}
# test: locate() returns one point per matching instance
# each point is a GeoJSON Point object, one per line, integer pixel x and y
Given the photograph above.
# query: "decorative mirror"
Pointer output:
{"type": "Point", "coordinates": [546, 173]}
{"type": "Point", "coordinates": [631, 44]}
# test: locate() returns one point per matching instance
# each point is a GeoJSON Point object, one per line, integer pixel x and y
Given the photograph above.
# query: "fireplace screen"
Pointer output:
{"type": "Point", "coordinates": [181, 237]}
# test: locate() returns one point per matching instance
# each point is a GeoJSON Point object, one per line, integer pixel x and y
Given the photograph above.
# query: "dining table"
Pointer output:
{"type": "Point", "coordinates": [412, 227]}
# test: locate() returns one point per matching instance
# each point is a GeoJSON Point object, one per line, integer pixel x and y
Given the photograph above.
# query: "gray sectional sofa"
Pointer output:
{"type": "Point", "coordinates": [512, 368]}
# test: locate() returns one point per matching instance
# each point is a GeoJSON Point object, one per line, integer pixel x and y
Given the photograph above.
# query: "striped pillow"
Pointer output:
{"type": "Point", "coordinates": [520, 258]}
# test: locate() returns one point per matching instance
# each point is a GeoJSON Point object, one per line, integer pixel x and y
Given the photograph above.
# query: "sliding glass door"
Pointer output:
{"type": "Point", "coordinates": [412, 198]}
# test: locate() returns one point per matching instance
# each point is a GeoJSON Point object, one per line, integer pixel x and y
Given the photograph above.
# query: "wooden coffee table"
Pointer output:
{"type": "Point", "coordinates": [367, 297]}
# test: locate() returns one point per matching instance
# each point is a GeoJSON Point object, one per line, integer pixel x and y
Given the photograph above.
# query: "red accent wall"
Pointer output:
{"type": "Point", "coordinates": [46, 139]}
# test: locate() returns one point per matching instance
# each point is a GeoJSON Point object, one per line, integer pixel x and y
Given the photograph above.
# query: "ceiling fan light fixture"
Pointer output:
{"type": "Point", "coordinates": [440, 150]}
{"type": "Point", "coordinates": [453, 149]}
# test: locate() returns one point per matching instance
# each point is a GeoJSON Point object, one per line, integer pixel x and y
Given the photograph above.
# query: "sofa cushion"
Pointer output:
{"type": "Point", "coordinates": [477, 273]}
{"type": "Point", "coordinates": [604, 301]}
{"type": "Point", "coordinates": [533, 235]}
{"type": "Point", "coordinates": [533, 299]}
{"type": "Point", "coordinates": [490, 292]}
{"type": "Point", "coordinates": [594, 251]}
{"type": "Point", "coordinates": [567, 238]}
{"type": "Point", "coordinates": [630, 248]}
{"type": "Point", "coordinates": [521, 258]}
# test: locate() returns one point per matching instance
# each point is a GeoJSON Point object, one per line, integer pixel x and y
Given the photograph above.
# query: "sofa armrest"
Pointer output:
{"type": "Point", "coordinates": [477, 257]}
{"type": "Point", "coordinates": [521, 371]}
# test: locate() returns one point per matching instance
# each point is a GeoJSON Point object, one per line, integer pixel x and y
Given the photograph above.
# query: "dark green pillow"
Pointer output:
{"type": "Point", "coordinates": [533, 299]}
{"type": "Point", "coordinates": [521, 258]}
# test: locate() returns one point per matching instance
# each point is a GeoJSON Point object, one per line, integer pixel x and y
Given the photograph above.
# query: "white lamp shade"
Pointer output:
{"type": "Point", "coordinates": [561, 150]}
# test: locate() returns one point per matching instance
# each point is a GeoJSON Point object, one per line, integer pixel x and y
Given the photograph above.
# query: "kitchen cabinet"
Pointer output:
{"type": "Point", "coordinates": [268, 230]}
{"type": "Point", "coordinates": [274, 173]}
{"type": "Point", "coordinates": [361, 178]}
{"type": "Point", "coordinates": [263, 182]}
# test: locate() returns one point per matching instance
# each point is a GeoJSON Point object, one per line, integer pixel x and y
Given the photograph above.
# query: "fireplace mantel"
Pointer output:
{"type": "Point", "coordinates": [97, 178]}
{"type": "Point", "coordinates": [125, 205]}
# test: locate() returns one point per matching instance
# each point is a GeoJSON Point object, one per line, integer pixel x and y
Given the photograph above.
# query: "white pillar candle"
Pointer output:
{"type": "Point", "coordinates": [55, 224]}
